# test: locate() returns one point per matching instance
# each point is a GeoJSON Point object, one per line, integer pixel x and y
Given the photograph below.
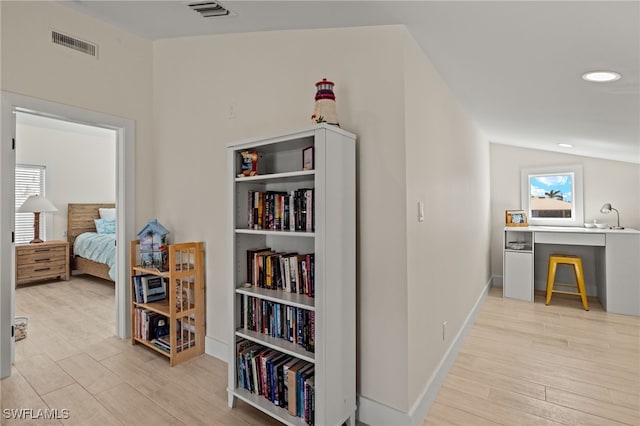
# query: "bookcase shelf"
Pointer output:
{"type": "Point", "coordinates": [182, 308]}
{"type": "Point", "coordinates": [291, 299]}
{"type": "Point", "coordinates": [276, 343]}
{"type": "Point", "coordinates": [297, 234]}
{"type": "Point", "coordinates": [324, 257]}
{"type": "Point", "coordinates": [297, 176]}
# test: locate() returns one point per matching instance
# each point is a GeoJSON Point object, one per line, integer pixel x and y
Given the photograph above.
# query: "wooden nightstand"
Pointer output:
{"type": "Point", "coordinates": [42, 261]}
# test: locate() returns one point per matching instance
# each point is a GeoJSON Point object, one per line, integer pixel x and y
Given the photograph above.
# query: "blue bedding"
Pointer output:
{"type": "Point", "coordinates": [99, 248]}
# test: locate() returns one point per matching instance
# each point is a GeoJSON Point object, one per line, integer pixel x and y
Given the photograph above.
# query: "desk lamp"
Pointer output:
{"type": "Point", "coordinates": [36, 204]}
{"type": "Point", "coordinates": [607, 209]}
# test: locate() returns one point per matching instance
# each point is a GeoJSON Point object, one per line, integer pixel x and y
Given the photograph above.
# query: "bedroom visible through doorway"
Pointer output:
{"type": "Point", "coordinates": [125, 130]}
{"type": "Point", "coordinates": [76, 166]}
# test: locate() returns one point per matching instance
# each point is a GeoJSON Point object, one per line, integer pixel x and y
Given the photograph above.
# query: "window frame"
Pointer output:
{"type": "Point", "coordinates": [577, 216]}
{"type": "Point", "coordinates": [24, 221]}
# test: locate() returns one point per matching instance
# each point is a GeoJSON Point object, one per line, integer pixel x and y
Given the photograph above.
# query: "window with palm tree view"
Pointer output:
{"type": "Point", "coordinates": [551, 195]}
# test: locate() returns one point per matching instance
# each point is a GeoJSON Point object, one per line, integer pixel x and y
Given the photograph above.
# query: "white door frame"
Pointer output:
{"type": "Point", "coordinates": [125, 135]}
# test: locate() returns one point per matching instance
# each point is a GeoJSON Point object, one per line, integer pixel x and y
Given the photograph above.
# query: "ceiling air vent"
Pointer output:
{"type": "Point", "coordinates": [90, 49]}
{"type": "Point", "coordinates": [209, 9]}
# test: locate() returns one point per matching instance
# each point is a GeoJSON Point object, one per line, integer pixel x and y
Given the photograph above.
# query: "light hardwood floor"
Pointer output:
{"type": "Point", "coordinates": [530, 364]}
{"type": "Point", "coordinates": [71, 360]}
{"type": "Point", "coordinates": [521, 364]}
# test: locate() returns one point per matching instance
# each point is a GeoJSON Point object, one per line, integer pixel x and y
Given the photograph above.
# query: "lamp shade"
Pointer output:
{"type": "Point", "coordinates": [36, 203]}
{"type": "Point", "coordinates": [606, 208]}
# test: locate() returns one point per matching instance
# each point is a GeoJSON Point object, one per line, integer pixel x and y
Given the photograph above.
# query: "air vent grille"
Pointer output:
{"type": "Point", "coordinates": [86, 47]}
{"type": "Point", "coordinates": [209, 9]}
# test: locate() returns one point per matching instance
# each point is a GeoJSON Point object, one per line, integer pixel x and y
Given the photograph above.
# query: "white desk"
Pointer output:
{"type": "Point", "coordinates": [611, 258]}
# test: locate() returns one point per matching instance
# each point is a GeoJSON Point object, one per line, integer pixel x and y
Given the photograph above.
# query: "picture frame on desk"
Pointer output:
{"type": "Point", "coordinates": [516, 218]}
{"type": "Point", "coordinates": [307, 158]}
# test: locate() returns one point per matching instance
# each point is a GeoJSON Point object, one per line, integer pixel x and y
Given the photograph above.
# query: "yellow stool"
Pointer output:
{"type": "Point", "coordinates": [576, 261]}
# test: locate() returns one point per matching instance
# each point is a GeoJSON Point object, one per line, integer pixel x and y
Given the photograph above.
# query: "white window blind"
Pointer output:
{"type": "Point", "coordinates": [29, 181]}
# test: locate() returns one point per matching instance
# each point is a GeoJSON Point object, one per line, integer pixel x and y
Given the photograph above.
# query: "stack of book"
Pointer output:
{"type": "Point", "coordinates": [284, 380]}
{"type": "Point", "coordinates": [146, 323]}
{"type": "Point", "coordinates": [281, 211]}
{"type": "Point", "coordinates": [278, 320]}
{"type": "Point", "coordinates": [182, 342]}
{"type": "Point", "coordinates": [290, 272]}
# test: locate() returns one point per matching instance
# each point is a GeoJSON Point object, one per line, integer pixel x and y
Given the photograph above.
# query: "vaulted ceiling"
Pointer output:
{"type": "Point", "coordinates": [515, 66]}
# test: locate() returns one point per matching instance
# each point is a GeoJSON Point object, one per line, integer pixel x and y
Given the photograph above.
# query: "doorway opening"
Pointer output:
{"type": "Point", "coordinates": [73, 167]}
{"type": "Point", "coordinates": [124, 130]}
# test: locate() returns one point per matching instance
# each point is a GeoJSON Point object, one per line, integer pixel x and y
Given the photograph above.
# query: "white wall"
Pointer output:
{"type": "Point", "coordinates": [117, 83]}
{"type": "Point", "coordinates": [448, 254]}
{"type": "Point", "coordinates": [604, 181]}
{"type": "Point", "coordinates": [80, 163]}
{"type": "Point", "coordinates": [269, 78]}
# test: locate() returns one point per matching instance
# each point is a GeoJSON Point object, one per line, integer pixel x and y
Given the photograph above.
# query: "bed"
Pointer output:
{"type": "Point", "coordinates": [90, 253]}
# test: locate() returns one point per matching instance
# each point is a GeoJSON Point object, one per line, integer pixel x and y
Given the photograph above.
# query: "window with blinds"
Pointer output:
{"type": "Point", "coordinates": [29, 181]}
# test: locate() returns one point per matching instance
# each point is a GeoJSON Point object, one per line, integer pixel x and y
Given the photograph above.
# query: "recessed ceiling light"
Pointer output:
{"type": "Point", "coordinates": [601, 76]}
{"type": "Point", "coordinates": [565, 145]}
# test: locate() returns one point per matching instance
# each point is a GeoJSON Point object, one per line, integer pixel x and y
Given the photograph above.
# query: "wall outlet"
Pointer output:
{"type": "Point", "coordinates": [444, 330]}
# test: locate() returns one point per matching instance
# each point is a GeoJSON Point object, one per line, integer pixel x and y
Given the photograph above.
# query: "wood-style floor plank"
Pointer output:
{"type": "Point", "coordinates": [555, 364]}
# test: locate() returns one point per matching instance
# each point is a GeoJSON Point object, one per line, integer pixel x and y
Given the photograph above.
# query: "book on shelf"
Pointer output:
{"type": "Point", "coordinates": [164, 342]}
{"type": "Point", "coordinates": [154, 288]}
{"type": "Point", "coordinates": [137, 288]}
{"type": "Point", "coordinates": [246, 351]}
{"type": "Point", "coordinates": [147, 323]}
{"type": "Point", "coordinates": [278, 372]}
{"type": "Point", "coordinates": [282, 379]}
{"type": "Point", "coordinates": [285, 379]}
{"type": "Point", "coordinates": [290, 272]}
{"type": "Point", "coordinates": [302, 376]}
{"type": "Point", "coordinates": [281, 211]}
{"type": "Point", "coordinates": [278, 320]}
{"type": "Point", "coordinates": [310, 400]}
{"type": "Point", "coordinates": [271, 390]}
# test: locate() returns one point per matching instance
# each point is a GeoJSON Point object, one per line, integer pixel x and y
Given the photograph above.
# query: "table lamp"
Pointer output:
{"type": "Point", "coordinates": [607, 209]}
{"type": "Point", "coordinates": [36, 204]}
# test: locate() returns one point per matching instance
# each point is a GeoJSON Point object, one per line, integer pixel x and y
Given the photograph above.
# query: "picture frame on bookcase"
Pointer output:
{"type": "Point", "coordinates": [307, 158]}
{"type": "Point", "coordinates": [516, 218]}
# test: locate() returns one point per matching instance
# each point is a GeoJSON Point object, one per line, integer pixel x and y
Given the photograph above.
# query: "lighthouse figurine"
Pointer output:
{"type": "Point", "coordinates": [325, 106]}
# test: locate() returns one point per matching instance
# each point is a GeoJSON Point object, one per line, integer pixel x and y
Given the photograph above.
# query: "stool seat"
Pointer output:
{"type": "Point", "coordinates": [576, 262]}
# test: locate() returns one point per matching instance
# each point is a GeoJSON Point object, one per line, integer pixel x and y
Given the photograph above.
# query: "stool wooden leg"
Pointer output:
{"type": "Point", "coordinates": [551, 276]}
{"type": "Point", "coordinates": [577, 268]}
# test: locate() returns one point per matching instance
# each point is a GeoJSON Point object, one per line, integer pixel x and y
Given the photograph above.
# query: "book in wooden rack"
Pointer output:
{"type": "Point", "coordinates": [172, 325]}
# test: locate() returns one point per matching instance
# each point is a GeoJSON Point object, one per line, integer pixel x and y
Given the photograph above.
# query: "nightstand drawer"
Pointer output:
{"type": "Point", "coordinates": [57, 256]}
{"type": "Point", "coordinates": [35, 272]}
{"type": "Point", "coordinates": [43, 249]}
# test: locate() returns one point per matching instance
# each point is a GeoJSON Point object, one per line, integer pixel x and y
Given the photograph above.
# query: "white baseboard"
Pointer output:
{"type": "Point", "coordinates": [496, 281]}
{"type": "Point", "coordinates": [216, 348]}
{"type": "Point", "coordinates": [375, 414]}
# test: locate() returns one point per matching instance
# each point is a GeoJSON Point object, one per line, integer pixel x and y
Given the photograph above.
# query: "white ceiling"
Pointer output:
{"type": "Point", "coordinates": [515, 66]}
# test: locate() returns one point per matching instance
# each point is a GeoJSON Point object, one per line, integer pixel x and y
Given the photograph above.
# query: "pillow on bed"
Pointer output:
{"type": "Point", "coordinates": [109, 213]}
{"type": "Point", "coordinates": [105, 226]}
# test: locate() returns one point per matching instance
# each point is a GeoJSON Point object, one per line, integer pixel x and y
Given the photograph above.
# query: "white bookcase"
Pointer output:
{"type": "Point", "coordinates": [332, 242]}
